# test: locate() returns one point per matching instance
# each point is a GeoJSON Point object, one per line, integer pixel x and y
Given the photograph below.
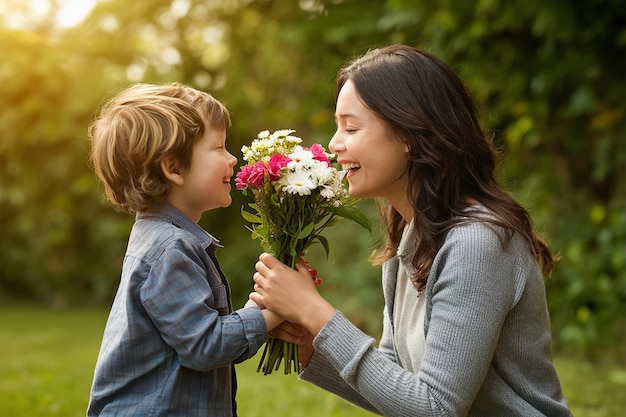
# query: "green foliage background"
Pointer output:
{"type": "Point", "coordinates": [549, 77]}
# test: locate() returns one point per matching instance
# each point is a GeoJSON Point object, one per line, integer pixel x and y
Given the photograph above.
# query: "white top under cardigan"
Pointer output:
{"type": "Point", "coordinates": [409, 309]}
{"type": "Point", "coordinates": [488, 342]}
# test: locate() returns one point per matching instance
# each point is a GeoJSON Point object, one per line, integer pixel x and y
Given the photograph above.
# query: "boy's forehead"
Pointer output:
{"type": "Point", "coordinates": [216, 132]}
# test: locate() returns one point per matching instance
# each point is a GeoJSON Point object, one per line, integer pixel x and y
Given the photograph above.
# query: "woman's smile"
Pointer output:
{"type": "Point", "coordinates": [352, 168]}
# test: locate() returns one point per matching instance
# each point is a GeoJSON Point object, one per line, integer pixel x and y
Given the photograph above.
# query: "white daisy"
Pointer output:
{"type": "Point", "coordinates": [297, 182]}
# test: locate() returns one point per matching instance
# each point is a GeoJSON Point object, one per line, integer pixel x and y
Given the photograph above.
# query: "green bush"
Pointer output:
{"type": "Point", "coordinates": [548, 77]}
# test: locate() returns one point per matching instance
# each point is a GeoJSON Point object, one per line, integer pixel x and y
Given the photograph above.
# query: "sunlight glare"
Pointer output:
{"type": "Point", "coordinates": [72, 12]}
{"type": "Point", "coordinates": [27, 14]}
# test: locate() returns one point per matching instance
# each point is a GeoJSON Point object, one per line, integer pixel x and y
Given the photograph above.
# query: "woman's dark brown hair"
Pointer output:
{"type": "Point", "coordinates": [451, 160]}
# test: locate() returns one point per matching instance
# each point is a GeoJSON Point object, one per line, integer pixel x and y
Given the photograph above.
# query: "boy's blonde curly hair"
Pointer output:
{"type": "Point", "coordinates": [139, 127]}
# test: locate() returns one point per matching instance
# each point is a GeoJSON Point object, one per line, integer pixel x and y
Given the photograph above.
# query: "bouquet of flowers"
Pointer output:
{"type": "Point", "coordinates": [297, 193]}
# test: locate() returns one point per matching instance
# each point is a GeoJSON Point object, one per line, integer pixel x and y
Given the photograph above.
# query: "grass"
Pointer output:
{"type": "Point", "coordinates": [48, 358]}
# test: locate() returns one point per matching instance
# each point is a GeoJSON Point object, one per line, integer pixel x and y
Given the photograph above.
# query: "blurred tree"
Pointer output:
{"type": "Point", "coordinates": [47, 203]}
{"type": "Point", "coordinates": [547, 74]}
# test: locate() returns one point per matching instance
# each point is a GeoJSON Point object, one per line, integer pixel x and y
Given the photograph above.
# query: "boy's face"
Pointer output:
{"type": "Point", "coordinates": [206, 183]}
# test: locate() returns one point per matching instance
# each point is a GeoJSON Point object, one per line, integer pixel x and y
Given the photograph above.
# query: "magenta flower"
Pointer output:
{"type": "Point", "coordinates": [277, 162]}
{"type": "Point", "coordinates": [319, 153]}
{"type": "Point", "coordinates": [251, 176]}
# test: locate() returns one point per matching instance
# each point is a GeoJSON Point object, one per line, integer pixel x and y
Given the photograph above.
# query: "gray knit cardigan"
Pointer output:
{"type": "Point", "coordinates": [488, 342]}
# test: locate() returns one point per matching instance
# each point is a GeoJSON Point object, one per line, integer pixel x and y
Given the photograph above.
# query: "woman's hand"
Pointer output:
{"type": "Point", "coordinates": [297, 334]}
{"type": "Point", "coordinates": [290, 293]}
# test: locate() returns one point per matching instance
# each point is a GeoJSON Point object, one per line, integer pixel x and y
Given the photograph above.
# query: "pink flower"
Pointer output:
{"type": "Point", "coordinates": [251, 176]}
{"type": "Point", "coordinates": [319, 153]}
{"type": "Point", "coordinates": [277, 162]}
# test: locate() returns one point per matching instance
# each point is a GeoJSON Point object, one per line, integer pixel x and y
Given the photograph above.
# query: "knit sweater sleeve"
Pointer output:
{"type": "Point", "coordinates": [320, 371]}
{"type": "Point", "coordinates": [473, 284]}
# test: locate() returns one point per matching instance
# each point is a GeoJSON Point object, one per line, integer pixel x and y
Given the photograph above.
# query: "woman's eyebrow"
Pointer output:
{"type": "Point", "coordinates": [345, 116]}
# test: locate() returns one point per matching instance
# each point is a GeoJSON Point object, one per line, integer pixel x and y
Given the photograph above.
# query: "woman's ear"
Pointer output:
{"type": "Point", "coordinates": [171, 170]}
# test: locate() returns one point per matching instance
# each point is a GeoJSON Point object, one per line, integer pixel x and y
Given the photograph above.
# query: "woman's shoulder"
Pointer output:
{"type": "Point", "coordinates": [482, 240]}
{"type": "Point", "coordinates": [476, 234]}
{"type": "Point", "coordinates": [484, 246]}
{"type": "Point", "coordinates": [474, 258]}
{"type": "Point", "coordinates": [480, 228]}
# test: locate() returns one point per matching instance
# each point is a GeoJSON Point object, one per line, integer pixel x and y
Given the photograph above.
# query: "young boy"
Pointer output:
{"type": "Point", "coordinates": [172, 336]}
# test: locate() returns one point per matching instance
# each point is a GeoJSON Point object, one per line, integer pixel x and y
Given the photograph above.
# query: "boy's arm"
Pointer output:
{"type": "Point", "coordinates": [188, 309]}
{"type": "Point", "coordinates": [271, 319]}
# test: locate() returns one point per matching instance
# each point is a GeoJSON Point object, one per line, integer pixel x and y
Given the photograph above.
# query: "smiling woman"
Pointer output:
{"type": "Point", "coordinates": [20, 14]}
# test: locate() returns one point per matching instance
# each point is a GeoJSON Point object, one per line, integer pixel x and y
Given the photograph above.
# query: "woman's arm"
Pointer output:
{"type": "Point", "coordinates": [472, 293]}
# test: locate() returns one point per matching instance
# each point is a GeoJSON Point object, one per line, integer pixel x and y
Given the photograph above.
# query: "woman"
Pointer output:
{"type": "Point", "coordinates": [466, 329]}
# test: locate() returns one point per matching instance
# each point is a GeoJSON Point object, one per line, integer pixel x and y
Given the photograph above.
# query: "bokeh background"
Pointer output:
{"type": "Point", "coordinates": [549, 77]}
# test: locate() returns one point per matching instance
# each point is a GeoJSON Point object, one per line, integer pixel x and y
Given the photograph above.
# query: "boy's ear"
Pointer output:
{"type": "Point", "coordinates": [171, 170]}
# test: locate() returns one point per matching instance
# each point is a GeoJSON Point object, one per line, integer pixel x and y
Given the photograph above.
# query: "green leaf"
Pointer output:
{"type": "Point", "coordinates": [324, 243]}
{"type": "Point", "coordinates": [354, 214]}
{"type": "Point", "coordinates": [293, 248]}
{"type": "Point", "coordinates": [333, 220]}
{"type": "Point", "coordinates": [252, 218]}
{"type": "Point", "coordinates": [306, 231]}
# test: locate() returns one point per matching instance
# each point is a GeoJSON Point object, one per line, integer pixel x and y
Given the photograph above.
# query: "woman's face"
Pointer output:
{"type": "Point", "coordinates": [368, 148]}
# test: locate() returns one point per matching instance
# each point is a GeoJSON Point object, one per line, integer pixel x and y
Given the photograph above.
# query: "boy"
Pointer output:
{"type": "Point", "coordinates": [172, 338]}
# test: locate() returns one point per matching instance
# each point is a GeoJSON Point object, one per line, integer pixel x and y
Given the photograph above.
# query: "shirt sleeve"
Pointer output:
{"type": "Point", "coordinates": [183, 303]}
{"type": "Point", "coordinates": [473, 292]}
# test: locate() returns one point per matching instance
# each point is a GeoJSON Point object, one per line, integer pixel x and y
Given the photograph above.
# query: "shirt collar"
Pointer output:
{"type": "Point", "coordinates": [169, 213]}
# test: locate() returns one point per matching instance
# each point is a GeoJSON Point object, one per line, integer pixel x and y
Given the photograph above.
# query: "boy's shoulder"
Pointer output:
{"type": "Point", "coordinates": [155, 231]}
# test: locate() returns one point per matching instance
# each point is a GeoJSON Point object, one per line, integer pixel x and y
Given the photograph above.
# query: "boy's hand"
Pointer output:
{"type": "Point", "coordinates": [252, 303]}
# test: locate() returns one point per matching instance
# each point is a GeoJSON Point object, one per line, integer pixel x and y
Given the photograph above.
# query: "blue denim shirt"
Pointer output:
{"type": "Point", "coordinates": [172, 339]}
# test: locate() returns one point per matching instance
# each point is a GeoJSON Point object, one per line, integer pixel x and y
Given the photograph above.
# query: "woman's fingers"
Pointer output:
{"type": "Point", "coordinates": [268, 259]}
{"type": "Point", "coordinates": [290, 333]}
{"type": "Point", "coordinates": [261, 267]}
{"type": "Point", "coordinates": [258, 278]}
{"type": "Point", "coordinates": [256, 297]}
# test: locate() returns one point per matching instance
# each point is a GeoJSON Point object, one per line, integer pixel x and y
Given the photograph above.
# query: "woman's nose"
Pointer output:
{"type": "Point", "coordinates": [336, 144]}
